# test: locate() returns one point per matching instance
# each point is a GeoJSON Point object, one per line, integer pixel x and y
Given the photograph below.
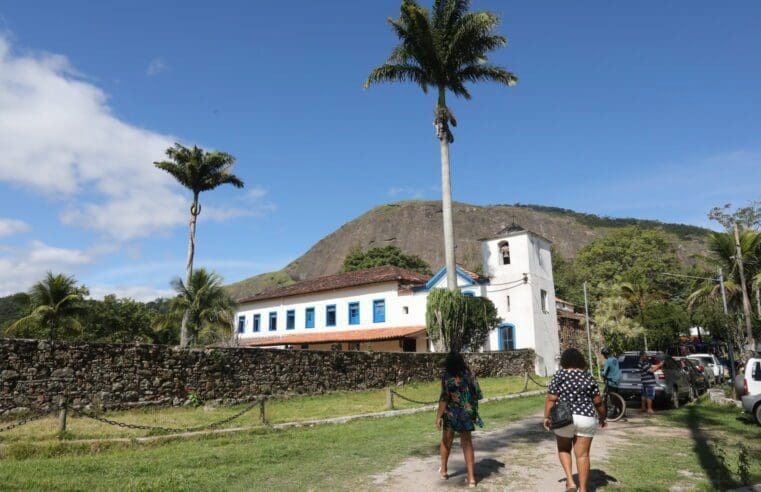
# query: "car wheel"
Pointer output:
{"type": "Point", "coordinates": [674, 397]}
{"type": "Point", "coordinates": [757, 413]}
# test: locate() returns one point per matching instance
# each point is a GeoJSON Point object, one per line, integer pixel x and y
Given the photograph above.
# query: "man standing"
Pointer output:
{"type": "Point", "coordinates": [646, 372]}
{"type": "Point", "coordinates": [611, 372]}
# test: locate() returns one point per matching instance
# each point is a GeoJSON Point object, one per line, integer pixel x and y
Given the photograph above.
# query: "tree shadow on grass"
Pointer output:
{"type": "Point", "coordinates": [711, 458]}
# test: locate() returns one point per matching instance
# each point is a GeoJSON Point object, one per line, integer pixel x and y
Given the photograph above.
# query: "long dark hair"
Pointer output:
{"type": "Point", "coordinates": [455, 364]}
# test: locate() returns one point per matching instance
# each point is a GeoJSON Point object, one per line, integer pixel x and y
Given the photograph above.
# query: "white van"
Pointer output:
{"type": "Point", "coordinates": [751, 394]}
{"type": "Point", "coordinates": [711, 363]}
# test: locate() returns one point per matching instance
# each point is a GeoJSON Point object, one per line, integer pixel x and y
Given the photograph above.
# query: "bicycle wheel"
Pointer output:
{"type": "Point", "coordinates": [615, 406]}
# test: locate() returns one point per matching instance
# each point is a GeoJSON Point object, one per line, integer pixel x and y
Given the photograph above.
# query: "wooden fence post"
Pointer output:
{"type": "Point", "coordinates": [525, 382]}
{"type": "Point", "coordinates": [62, 415]}
{"type": "Point", "coordinates": [262, 417]}
{"type": "Point", "coordinates": [389, 399]}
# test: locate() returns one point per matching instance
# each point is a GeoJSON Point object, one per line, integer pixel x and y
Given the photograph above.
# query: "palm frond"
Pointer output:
{"type": "Point", "coordinates": [488, 73]}
{"type": "Point", "coordinates": [398, 73]}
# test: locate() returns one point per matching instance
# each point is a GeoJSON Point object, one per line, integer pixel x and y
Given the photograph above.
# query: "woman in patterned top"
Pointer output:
{"type": "Point", "coordinates": [458, 412]}
{"type": "Point", "coordinates": [573, 385]}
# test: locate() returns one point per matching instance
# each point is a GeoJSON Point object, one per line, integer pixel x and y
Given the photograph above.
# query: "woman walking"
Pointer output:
{"type": "Point", "coordinates": [575, 389]}
{"type": "Point", "coordinates": [458, 412]}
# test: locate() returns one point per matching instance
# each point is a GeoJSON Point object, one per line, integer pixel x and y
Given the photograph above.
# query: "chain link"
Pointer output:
{"type": "Point", "coordinates": [25, 420]}
{"type": "Point", "coordinates": [536, 382]}
{"type": "Point", "coordinates": [414, 401]}
{"type": "Point", "coordinates": [126, 425]}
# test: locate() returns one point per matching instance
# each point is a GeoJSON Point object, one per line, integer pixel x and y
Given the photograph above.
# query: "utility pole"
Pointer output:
{"type": "Point", "coordinates": [730, 345]}
{"type": "Point", "coordinates": [589, 336]}
{"type": "Point", "coordinates": [743, 287]}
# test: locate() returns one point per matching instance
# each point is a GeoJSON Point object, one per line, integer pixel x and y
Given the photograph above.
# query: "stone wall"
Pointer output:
{"type": "Point", "coordinates": [36, 374]}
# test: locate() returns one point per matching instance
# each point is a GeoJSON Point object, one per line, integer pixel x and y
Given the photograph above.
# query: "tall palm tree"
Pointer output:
{"type": "Point", "coordinates": [206, 306]}
{"type": "Point", "coordinates": [722, 251]}
{"type": "Point", "coordinates": [443, 49]}
{"type": "Point", "coordinates": [198, 171]}
{"type": "Point", "coordinates": [56, 302]}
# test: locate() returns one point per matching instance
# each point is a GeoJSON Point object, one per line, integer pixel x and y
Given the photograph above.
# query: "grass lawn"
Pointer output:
{"type": "Point", "coordinates": [324, 457]}
{"type": "Point", "coordinates": [277, 410]}
{"type": "Point", "coordinates": [698, 449]}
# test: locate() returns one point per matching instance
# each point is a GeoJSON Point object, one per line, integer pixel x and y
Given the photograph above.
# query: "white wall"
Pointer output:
{"type": "Point", "coordinates": [365, 295]}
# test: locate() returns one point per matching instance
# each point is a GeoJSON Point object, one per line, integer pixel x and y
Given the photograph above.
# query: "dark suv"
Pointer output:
{"type": "Point", "coordinates": [672, 384]}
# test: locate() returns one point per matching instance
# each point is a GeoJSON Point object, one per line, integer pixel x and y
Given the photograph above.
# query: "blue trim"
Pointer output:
{"type": "Point", "coordinates": [273, 321]}
{"type": "Point", "coordinates": [290, 319]}
{"type": "Point", "coordinates": [309, 317]}
{"type": "Point", "coordinates": [431, 283]}
{"type": "Point", "coordinates": [241, 323]}
{"type": "Point", "coordinates": [327, 312]}
{"type": "Point", "coordinates": [379, 311]}
{"type": "Point", "coordinates": [257, 322]}
{"type": "Point", "coordinates": [353, 320]}
{"type": "Point", "coordinates": [502, 327]}
{"type": "Point", "coordinates": [468, 293]}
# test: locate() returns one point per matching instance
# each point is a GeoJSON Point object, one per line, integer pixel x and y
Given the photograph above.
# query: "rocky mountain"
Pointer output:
{"type": "Point", "coordinates": [416, 228]}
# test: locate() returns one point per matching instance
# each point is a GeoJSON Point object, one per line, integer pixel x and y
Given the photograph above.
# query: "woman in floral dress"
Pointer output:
{"type": "Point", "coordinates": [458, 412]}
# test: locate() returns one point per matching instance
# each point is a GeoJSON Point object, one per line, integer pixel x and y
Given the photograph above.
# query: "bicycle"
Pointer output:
{"type": "Point", "coordinates": [615, 405]}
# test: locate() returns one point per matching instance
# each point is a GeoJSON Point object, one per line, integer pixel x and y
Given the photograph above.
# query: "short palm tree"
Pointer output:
{"type": "Point", "coordinates": [56, 303]}
{"type": "Point", "coordinates": [198, 171]}
{"type": "Point", "coordinates": [205, 305]}
{"type": "Point", "coordinates": [443, 49]}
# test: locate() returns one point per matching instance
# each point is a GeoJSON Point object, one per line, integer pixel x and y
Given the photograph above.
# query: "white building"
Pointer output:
{"type": "Point", "coordinates": [383, 308]}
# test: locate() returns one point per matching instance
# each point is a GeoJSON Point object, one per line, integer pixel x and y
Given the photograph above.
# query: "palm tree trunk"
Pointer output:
{"type": "Point", "coordinates": [743, 288]}
{"type": "Point", "coordinates": [195, 209]}
{"type": "Point", "coordinates": [443, 133]}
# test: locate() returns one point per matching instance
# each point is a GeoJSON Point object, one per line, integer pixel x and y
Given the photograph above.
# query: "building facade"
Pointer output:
{"type": "Point", "coordinates": [383, 308]}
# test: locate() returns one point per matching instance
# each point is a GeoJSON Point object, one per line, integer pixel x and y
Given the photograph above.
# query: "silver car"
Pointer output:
{"type": "Point", "coordinates": [672, 384]}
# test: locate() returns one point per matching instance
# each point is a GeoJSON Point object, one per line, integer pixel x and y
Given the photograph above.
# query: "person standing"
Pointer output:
{"type": "Point", "coordinates": [647, 377]}
{"type": "Point", "coordinates": [458, 412]}
{"type": "Point", "coordinates": [573, 385]}
{"type": "Point", "coordinates": [611, 372]}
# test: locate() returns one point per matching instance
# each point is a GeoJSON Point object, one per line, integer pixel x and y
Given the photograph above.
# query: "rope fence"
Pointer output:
{"type": "Point", "coordinates": [257, 401]}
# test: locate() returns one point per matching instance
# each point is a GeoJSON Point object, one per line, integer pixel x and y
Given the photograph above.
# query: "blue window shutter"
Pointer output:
{"type": "Point", "coordinates": [353, 313]}
{"type": "Point", "coordinates": [241, 324]}
{"type": "Point", "coordinates": [257, 321]}
{"type": "Point", "coordinates": [379, 311]}
{"type": "Point", "coordinates": [290, 319]}
{"type": "Point", "coordinates": [309, 318]}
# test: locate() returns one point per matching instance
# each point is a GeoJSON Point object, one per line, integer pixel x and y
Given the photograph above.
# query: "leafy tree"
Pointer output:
{"type": "Point", "coordinates": [205, 303]}
{"type": "Point", "coordinates": [386, 255]}
{"type": "Point", "coordinates": [56, 303]}
{"type": "Point", "coordinates": [568, 286]}
{"type": "Point", "coordinates": [612, 318]}
{"type": "Point", "coordinates": [198, 171]}
{"type": "Point", "coordinates": [749, 217]}
{"type": "Point", "coordinates": [122, 321]}
{"type": "Point", "coordinates": [13, 307]}
{"type": "Point", "coordinates": [634, 256]}
{"type": "Point", "coordinates": [443, 49]}
{"type": "Point", "coordinates": [454, 320]}
{"type": "Point", "coordinates": [666, 321]}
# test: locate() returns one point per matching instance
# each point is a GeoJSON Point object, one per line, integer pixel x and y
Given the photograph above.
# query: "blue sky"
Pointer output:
{"type": "Point", "coordinates": [645, 109]}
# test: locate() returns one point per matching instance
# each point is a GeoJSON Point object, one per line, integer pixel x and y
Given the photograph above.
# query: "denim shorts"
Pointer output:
{"type": "Point", "coordinates": [648, 391]}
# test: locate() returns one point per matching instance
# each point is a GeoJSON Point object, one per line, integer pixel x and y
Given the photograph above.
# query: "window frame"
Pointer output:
{"type": "Point", "coordinates": [506, 334]}
{"type": "Point", "coordinates": [257, 323]}
{"type": "Point", "coordinates": [241, 324]}
{"type": "Point", "coordinates": [309, 323]}
{"type": "Point", "coordinates": [327, 315]}
{"type": "Point", "coordinates": [290, 319]}
{"type": "Point", "coordinates": [376, 318]}
{"type": "Point", "coordinates": [545, 301]}
{"type": "Point", "coordinates": [350, 318]}
{"type": "Point", "coordinates": [273, 317]}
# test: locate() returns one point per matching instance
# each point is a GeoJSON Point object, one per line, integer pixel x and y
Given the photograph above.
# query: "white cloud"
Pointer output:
{"type": "Point", "coordinates": [253, 205]}
{"type": "Point", "coordinates": [155, 67]}
{"type": "Point", "coordinates": [20, 268]}
{"type": "Point", "coordinates": [9, 227]}
{"type": "Point", "coordinates": [59, 137]}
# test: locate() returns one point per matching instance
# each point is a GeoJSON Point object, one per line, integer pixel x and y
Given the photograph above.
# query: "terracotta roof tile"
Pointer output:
{"type": "Point", "coordinates": [336, 336]}
{"type": "Point", "coordinates": [342, 281]}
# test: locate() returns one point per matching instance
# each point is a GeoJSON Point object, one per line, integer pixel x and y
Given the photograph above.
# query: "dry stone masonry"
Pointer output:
{"type": "Point", "coordinates": [36, 375]}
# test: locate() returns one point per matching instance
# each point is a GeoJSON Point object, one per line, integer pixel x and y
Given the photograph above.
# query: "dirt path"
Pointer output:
{"type": "Point", "coordinates": [521, 456]}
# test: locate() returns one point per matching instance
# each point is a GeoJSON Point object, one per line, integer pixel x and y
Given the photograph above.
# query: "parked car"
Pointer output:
{"type": "Point", "coordinates": [695, 373]}
{"type": "Point", "coordinates": [751, 395]}
{"type": "Point", "coordinates": [712, 363]}
{"type": "Point", "coordinates": [672, 385]}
